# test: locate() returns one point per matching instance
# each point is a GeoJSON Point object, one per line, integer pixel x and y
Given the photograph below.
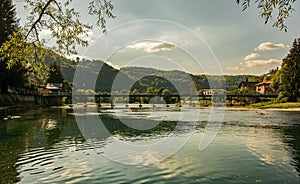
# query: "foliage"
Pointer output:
{"type": "Point", "coordinates": [15, 50]}
{"type": "Point", "coordinates": [55, 74]}
{"type": "Point", "coordinates": [8, 21]}
{"type": "Point", "coordinates": [272, 105]}
{"type": "Point", "coordinates": [15, 75]}
{"type": "Point", "coordinates": [153, 80]}
{"type": "Point", "coordinates": [275, 85]}
{"type": "Point", "coordinates": [290, 73]}
{"type": "Point", "coordinates": [268, 8]}
{"type": "Point", "coordinates": [232, 81]}
{"type": "Point", "coordinates": [62, 20]}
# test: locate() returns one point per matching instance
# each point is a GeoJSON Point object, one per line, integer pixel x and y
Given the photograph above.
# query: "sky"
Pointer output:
{"type": "Point", "coordinates": [197, 36]}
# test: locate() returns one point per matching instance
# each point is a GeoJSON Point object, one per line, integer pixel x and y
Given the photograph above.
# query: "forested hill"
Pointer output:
{"type": "Point", "coordinates": [156, 78]}
{"type": "Point", "coordinates": [104, 73]}
{"type": "Point", "coordinates": [143, 78]}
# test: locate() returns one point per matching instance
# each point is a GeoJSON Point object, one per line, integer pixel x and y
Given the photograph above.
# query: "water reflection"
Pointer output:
{"type": "Point", "coordinates": [292, 138]}
{"type": "Point", "coordinates": [267, 144]}
{"type": "Point", "coordinates": [46, 145]}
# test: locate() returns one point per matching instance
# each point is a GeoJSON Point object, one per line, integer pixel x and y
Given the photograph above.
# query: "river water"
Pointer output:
{"type": "Point", "coordinates": [149, 146]}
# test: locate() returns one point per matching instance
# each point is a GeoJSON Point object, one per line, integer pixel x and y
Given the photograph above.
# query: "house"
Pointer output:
{"type": "Point", "coordinates": [38, 84]}
{"type": "Point", "coordinates": [246, 86]}
{"type": "Point", "coordinates": [53, 88]}
{"type": "Point", "coordinates": [264, 87]}
{"type": "Point", "coordinates": [212, 91]}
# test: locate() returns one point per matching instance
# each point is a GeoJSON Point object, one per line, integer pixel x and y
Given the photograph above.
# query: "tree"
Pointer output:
{"type": "Point", "coordinates": [268, 7]}
{"type": "Point", "coordinates": [63, 21]}
{"type": "Point", "coordinates": [14, 75]}
{"type": "Point", "coordinates": [55, 74]}
{"type": "Point", "coordinates": [67, 31]}
{"type": "Point", "coordinates": [133, 99]}
{"type": "Point", "coordinates": [275, 85]}
{"type": "Point", "coordinates": [290, 73]}
{"type": "Point", "coordinates": [8, 21]}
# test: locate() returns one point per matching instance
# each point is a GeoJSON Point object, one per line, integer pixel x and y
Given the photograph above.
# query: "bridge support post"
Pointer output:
{"type": "Point", "coordinates": [98, 100]}
{"type": "Point", "coordinates": [140, 105]}
{"type": "Point", "coordinates": [112, 102]}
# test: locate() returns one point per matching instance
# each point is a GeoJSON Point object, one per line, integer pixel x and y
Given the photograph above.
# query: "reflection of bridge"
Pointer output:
{"type": "Point", "coordinates": [111, 97]}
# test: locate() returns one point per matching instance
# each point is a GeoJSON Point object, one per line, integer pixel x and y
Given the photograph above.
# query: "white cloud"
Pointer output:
{"type": "Point", "coordinates": [251, 56]}
{"type": "Point", "coordinates": [80, 57]}
{"type": "Point", "coordinates": [88, 36]}
{"type": "Point", "coordinates": [261, 63]}
{"type": "Point", "coordinates": [269, 46]}
{"type": "Point", "coordinates": [45, 33]}
{"type": "Point", "coordinates": [234, 69]}
{"type": "Point", "coordinates": [250, 64]}
{"type": "Point", "coordinates": [152, 46]}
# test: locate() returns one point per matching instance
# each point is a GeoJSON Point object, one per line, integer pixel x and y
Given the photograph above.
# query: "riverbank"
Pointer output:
{"type": "Point", "coordinates": [288, 106]}
{"type": "Point", "coordinates": [16, 100]}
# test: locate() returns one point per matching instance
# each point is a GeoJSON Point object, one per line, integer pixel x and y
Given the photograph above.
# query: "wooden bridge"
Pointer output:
{"type": "Point", "coordinates": [111, 97]}
{"type": "Point", "coordinates": [49, 99]}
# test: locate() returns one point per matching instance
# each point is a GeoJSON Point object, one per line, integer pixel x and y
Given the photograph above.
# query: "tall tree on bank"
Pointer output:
{"type": "Point", "coordinates": [290, 73]}
{"type": "Point", "coordinates": [55, 74]}
{"type": "Point", "coordinates": [15, 75]}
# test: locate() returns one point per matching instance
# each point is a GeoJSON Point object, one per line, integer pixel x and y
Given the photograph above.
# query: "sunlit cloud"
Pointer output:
{"type": "Point", "coordinates": [254, 64]}
{"type": "Point", "coordinates": [78, 57]}
{"type": "Point", "coordinates": [269, 46]}
{"type": "Point", "coordinates": [261, 63]}
{"type": "Point", "coordinates": [152, 46]}
{"type": "Point", "coordinates": [45, 33]}
{"type": "Point", "coordinates": [234, 69]}
{"type": "Point", "coordinates": [251, 56]}
{"type": "Point", "coordinates": [88, 36]}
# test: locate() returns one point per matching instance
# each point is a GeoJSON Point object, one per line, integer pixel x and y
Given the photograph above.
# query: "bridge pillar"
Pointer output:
{"type": "Point", "coordinates": [98, 100]}
{"type": "Point", "coordinates": [140, 105]}
{"type": "Point", "coordinates": [112, 102]}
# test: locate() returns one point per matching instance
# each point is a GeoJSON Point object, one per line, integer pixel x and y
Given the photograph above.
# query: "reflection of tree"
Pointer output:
{"type": "Point", "coordinates": [116, 127]}
{"type": "Point", "coordinates": [265, 143]}
{"type": "Point", "coordinates": [17, 137]}
{"type": "Point", "coordinates": [52, 131]}
{"type": "Point", "coordinates": [293, 139]}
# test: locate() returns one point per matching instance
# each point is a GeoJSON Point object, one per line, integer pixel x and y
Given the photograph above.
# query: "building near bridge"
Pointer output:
{"type": "Point", "coordinates": [264, 88]}
{"type": "Point", "coordinates": [53, 89]}
{"type": "Point", "coordinates": [246, 86]}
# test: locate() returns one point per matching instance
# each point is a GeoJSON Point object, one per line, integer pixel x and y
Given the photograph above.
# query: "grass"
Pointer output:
{"type": "Point", "coordinates": [270, 105]}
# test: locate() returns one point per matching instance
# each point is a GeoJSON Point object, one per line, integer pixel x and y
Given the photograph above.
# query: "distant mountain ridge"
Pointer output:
{"type": "Point", "coordinates": [142, 78]}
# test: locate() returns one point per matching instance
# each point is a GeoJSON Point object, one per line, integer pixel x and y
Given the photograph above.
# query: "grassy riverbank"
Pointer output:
{"type": "Point", "coordinates": [272, 105]}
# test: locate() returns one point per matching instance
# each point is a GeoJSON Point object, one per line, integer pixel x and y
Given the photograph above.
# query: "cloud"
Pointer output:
{"type": "Point", "coordinates": [250, 64]}
{"type": "Point", "coordinates": [234, 69]}
{"type": "Point", "coordinates": [80, 57]}
{"type": "Point", "coordinates": [251, 56]}
{"type": "Point", "coordinates": [45, 33]}
{"type": "Point", "coordinates": [152, 46]}
{"type": "Point", "coordinates": [261, 63]}
{"type": "Point", "coordinates": [269, 46]}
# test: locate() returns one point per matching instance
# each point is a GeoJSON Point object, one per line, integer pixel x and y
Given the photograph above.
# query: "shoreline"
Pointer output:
{"type": "Point", "coordinates": [267, 109]}
{"type": "Point", "coordinates": [107, 106]}
{"type": "Point", "coordinates": [288, 109]}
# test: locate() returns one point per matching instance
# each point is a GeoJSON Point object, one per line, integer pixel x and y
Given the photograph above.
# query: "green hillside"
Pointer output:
{"type": "Point", "coordinates": [130, 78]}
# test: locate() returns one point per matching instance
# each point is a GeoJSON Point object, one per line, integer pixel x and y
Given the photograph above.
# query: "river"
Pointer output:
{"type": "Point", "coordinates": [149, 146]}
